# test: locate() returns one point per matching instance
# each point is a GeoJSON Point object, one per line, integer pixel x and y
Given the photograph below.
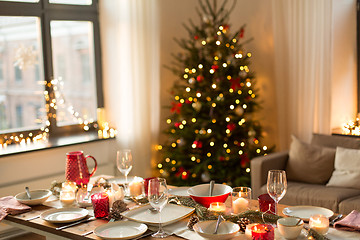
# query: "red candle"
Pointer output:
{"type": "Point", "coordinates": [100, 202]}
{"type": "Point", "coordinates": [262, 232]}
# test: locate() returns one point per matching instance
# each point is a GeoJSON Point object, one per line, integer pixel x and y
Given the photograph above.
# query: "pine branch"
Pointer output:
{"type": "Point", "coordinates": [211, 10]}
{"type": "Point", "coordinates": [203, 8]}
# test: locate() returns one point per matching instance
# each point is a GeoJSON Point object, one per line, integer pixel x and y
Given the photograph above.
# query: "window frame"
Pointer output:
{"type": "Point", "coordinates": [48, 12]}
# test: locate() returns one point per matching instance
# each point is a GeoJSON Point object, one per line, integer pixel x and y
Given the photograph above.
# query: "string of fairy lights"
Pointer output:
{"type": "Point", "coordinates": [352, 127]}
{"type": "Point", "coordinates": [191, 75]}
{"type": "Point", "coordinates": [55, 102]}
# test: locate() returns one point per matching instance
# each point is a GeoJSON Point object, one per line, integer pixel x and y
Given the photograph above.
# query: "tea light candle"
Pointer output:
{"type": "Point", "coordinates": [248, 233]}
{"type": "Point", "coordinates": [262, 232]}
{"type": "Point", "coordinates": [67, 197]}
{"type": "Point", "coordinates": [69, 186]}
{"type": "Point", "coordinates": [319, 223]}
{"type": "Point", "coordinates": [240, 205]}
{"type": "Point", "coordinates": [100, 203]}
{"type": "Point", "coordinates": [136, 187]}
{"type": "Point", "coordinates": [217, 207]}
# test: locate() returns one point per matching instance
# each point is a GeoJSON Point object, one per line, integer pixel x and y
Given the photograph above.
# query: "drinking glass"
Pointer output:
{"type": "Point", "coordinates": [124, 163]}
{"type": "Point", "coordinates": [158, 197]}
{"type": "Point", "coordinates": [276, 186]}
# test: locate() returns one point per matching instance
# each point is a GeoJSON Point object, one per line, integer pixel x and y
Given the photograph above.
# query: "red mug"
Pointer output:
{"type": "Point", "coordinates": [266, 203]}
{"type": "Point", "coordinates": [77, 169]}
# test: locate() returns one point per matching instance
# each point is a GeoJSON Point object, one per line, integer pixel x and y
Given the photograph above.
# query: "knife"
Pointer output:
{"type": "Point", "coordinates": [338, 217]}
{"type": "Point", "coordinates": [76, 223]}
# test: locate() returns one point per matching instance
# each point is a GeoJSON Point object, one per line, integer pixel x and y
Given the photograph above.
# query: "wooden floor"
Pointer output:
{"type": "Point", "coordinates": [28, 236]}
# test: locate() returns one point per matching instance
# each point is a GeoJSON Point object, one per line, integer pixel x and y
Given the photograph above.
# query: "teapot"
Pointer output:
{"type": "Point", "coordinates": [77, 169]}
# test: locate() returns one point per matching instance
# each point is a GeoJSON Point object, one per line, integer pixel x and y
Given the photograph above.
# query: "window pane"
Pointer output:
{"type": "Point", "coordinates": [21, 74]}
{"type": "Point", "coordinates": [72, 2]}
{"type": "Point", "coordinates": [74, 67]}
{"type": "Point", "coordinates": [27, 1]}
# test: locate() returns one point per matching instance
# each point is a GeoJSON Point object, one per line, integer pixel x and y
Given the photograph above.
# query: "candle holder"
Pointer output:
{"type": "Point", "coordinates": [266, 204]}
{"type": "Point", "coordinates": [217, 207]}
{"type": "Point", "coordinates": [262, 232]}
{"type": "Point", "coordinates": [67, 198]}
{"type": "Point", "coordinates": [100, 202]}
{"type": "Point", "coordinates": [240, 199]}
{"type": "Point", "coordinates": [319, 223]}
{"type": "Point", "coordinates": [68, 186]}
{"type": "Point", "coordinates": [136, 188]}
{"type": "Point", "coordinates": [82, 198]}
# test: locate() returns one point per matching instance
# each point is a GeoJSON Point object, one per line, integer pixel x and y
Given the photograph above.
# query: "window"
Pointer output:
{"type": "Point", "coordinates": [50, 69]}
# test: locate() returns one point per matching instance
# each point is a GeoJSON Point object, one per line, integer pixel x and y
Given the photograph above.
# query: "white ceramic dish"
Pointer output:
{"type": "Point", "coordinates": [170, 214]}
{"type": "Point", "coordinates": [179, 191]}
{"type": "Point", "coordinates": [226, 229]}
{"type": "Point", "coordinates": [37, 197]}
{"type": "Point", "coordinates": [120, 230]}
{"type": "Point", "coordinates": [290, 227]}
{"type": "Point", "coordinates": [64, 215]}
{"type": "Point", "coordinates": [305, 212]}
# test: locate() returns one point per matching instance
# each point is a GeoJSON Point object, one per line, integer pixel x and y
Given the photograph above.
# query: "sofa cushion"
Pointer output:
{"type": "Point", "coordinates": [347, 205]}
{"type": "Point", "coordinates": [334, 141]}
{"type": "Point", "coordinates": [347, 169]}
{"type": "Point", "coordinates": [315, 195]}
{"type": "Point", "coordinates": [308, 163]}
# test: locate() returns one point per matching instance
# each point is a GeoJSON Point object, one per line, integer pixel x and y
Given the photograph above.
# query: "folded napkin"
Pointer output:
{"type": "Point", "coordinates": [350, 223]}
{"type": "Point", "coordinates": [9, 205]}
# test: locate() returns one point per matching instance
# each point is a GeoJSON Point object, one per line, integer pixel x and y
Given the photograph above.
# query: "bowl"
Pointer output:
{"type": "Point", "coordinates": [37, 197]}
{"type": "Point", "coordinates": [200, 193]}
{"type": "Point", "coordinates": [226, 229]}
{"type": "Point", "coordinates": [290, 227]}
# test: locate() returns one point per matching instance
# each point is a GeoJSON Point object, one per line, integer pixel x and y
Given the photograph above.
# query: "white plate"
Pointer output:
{"type": "Point", "coordinates": [64, 215]}
{"type": "Point", "coordinates": [305, 212]}
{"type": "Point", "coordinates": [37, 197]}
{"type": "Point", "coordinates": [179, 191]}
{"type": "Point", "coordinates": [226, 229]}
{"type": "Point", "coordinates": [120, 230]}
{"type": "Point", "coordinates": [170, 214]}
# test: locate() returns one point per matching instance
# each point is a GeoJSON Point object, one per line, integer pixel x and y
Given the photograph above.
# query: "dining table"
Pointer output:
{"type": "Point", "coordinates": [30, 221]}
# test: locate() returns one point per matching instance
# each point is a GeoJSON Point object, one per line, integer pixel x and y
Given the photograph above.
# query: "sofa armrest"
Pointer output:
{"type": "Point", "coordinates": [261, 165]}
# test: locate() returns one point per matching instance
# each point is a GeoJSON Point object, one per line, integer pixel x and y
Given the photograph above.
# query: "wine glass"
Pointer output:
{"type": "Point", "coordinates": [124, 163]}
{"type": "Point", "coordinates": [158, 197]}
{"type": "Point", "coordinates": [276, 186]}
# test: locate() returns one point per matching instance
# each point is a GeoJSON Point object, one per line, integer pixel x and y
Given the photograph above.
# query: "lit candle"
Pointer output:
{"type": "Point", "coordinates": [240, 205]}
{"type": "Point", "coordinates": [217, 207]}
{"type": "Point", "coordinates": [136, 187]}
{"type": "Point", "coordinates": [111, 197]}
{"type": "Point", "coordinates": [248, 233]}
{"type": "Point", "coordinates": [117, 191]}
{"type": "Point", "coordinates": [67, 198]}
{"type": "Point", "coordinates": [319, 223]}
{"type": "Point", "coordinates": [100, 203]}
{"type": "Point", "coordinates": [262, 232]}
{"type": "Point", "coordinates": [69, 186]}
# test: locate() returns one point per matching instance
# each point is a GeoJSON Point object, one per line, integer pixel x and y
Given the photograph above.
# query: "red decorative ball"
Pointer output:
{"type": "Point", "coordinates": [177, 124]}
{"type": "Point", "coordinates": [196, 37]}
{"type": "Point", "coordinates": [215, 67]}
{"type": "Point", "coordinates": [221, 158]}
{"type": "Point", "coordinates": [199, 78]}
{"type": "Point", "coordinates": [231, 126]}
{"type": "Point", "coordinates": [198, 144]}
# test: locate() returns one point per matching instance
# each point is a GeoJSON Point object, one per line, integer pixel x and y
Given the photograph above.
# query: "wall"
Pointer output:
{"type": "Point", "coordinates": [257, 17]}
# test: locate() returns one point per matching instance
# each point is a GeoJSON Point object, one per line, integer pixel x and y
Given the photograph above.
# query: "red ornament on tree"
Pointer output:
{"type": "Point", "coordinates": [198, 144]}
{"type": "Point", "coordinates": [177, 124]}
{"type": "Point", "coordinates": [187, 101]}
{"type": "Point", "coordinates": [235, 83]}
{"type": "Point", "coordinates": [241, 34]}
{"type": "Point", "coordinates": [199, 78]}
{"type": "Point", "coordinates": [221, 158]}
{"type": "Point", "coordinates": [196, 37]}
{"type": "Point", "coordinates": [244, 160]}
{"type": "Point", "coordinates": [176, 107]}
{"type": "Point", "coordinates": [185, 175]}
{"type": "Point", "coordinates": [231, 126]}
{"type": "Point", "coordinates": [215, 67]}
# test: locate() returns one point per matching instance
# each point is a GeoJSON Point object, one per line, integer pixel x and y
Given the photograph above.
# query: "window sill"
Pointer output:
{"type": "Point", "coordinates": [54, 142]}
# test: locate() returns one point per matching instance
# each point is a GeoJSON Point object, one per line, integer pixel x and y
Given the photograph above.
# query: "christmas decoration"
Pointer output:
{"type": "Point", "coordinates": [25, 57]}
{"type": "Point", "coordinates": [118, 207]}
{"type": "Point", "coordinates": [192, 221]}
{"type": "Point", "coordinates": [243, 222]}
{"type": "Point", "coordinates": [214, 101]}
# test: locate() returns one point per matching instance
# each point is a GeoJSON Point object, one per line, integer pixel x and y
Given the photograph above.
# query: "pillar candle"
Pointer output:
{"type": "Point", "coordinates": [136, 187]}
{"type": "Point", "coordinates": [67, 198]}
{"type": "Point", "coordinates": [217, 207]}
{"type": "Point", "coordinates": [240, 205]}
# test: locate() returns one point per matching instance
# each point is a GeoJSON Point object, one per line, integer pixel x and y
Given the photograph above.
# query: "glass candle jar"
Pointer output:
{"type": "Point", "coordinates": [319, 223]}
{"type": "Point", "coordinates": [67, 198]}
{"type": "Point", "coordinates": [100, 202]}
{"type": "Point", "coordinates": [240, 199]}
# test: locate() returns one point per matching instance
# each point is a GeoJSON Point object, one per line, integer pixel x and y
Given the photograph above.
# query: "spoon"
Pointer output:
{"type": "Point", "coordinates": [212, 182]}
{"type": "Point", "coordinates": [28, 192]}
{"type": "Point", "coordinates": [219, 220]}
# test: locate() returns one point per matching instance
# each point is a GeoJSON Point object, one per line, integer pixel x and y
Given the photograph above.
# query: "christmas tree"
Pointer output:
{"type": "Point", "coordinates": [212, 133]}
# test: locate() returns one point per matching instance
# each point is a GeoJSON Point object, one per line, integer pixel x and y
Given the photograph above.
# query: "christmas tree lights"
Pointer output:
{"type": "Point", "coordinates": [212, 133]}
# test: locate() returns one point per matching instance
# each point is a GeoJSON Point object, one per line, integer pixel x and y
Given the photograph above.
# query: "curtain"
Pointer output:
{"type": "Point", "coordinates": [130, 46]}
{"type": "Point", "coordinates": [304, 66]}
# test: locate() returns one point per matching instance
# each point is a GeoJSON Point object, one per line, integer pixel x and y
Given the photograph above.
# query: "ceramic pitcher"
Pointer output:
{"type": "Point", "coordinates": [77, 169]}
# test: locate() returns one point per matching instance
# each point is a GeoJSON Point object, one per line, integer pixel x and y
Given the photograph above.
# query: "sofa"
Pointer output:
{"type": "Point", "coordinates": [313, 172]}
